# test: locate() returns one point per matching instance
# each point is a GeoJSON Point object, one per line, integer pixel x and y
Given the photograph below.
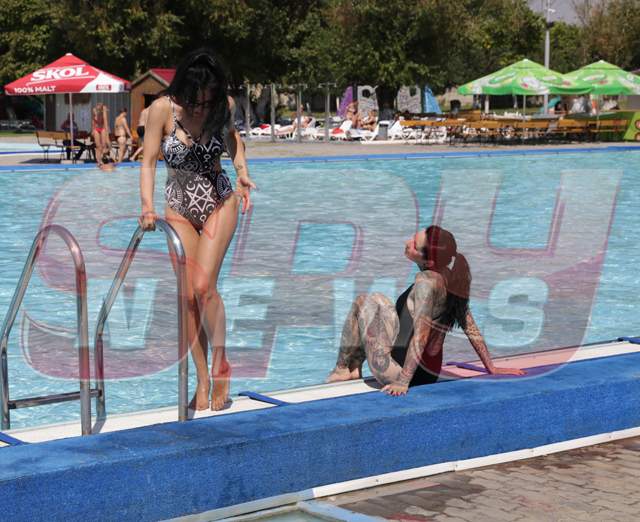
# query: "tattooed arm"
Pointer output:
{"type": "Point", "coordinates": [235, 145]}
{"type": "Point", "coordinates": [477, 341]}
{"type": "Point", "coordinates": [428, 292]}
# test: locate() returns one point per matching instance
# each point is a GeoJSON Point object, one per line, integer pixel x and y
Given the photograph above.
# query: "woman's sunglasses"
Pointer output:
{"type": "Point", "coordinates": [207, 104]}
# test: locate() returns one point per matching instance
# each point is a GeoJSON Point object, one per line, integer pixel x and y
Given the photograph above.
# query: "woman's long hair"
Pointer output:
{"type": "Point", "coordinates": [441, 247]}
{"type": "Point", "coordinates": [200, 71]}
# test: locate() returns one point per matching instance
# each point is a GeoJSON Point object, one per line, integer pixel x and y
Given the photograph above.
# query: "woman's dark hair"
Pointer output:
{"type": "Point", "coordinates": [441, 247]}
{"type": "Point", "coordinates": [200, 71]}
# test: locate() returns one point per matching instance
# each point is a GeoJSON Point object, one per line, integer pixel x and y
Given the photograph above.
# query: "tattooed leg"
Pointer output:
{"type": "Point", "coordinates": [351, 354]}
{"type": "Point", "coordinates": [379, 324]}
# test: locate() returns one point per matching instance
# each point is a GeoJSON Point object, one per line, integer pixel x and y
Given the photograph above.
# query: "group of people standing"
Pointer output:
{"type": "Point", "coordinates": [192, 125]}
{"type": "Point", "coordinates": [101, 136]}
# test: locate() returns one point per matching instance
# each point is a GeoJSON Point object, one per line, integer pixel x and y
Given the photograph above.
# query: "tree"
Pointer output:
{"type": "Point", "coordinates": [28, 37]}
{"type": "Point", "coordinates": [566, 47]}
{"type": "Point", "coordinates": [124, 38]}
{"type": "Point", "coordinates": [610, 31]}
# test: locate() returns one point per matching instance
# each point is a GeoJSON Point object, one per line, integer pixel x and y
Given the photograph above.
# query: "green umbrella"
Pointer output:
{"type": "Point", "coordinates": [525, 78]}
{"type": "Point", "coordinates": [607, 79]}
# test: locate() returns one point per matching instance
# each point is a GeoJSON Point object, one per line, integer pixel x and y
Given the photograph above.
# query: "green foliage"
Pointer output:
{"type": "Point", "coordinates": [566, 44]}
{"type": "Point", "coordinates": [380, 42]}
{"type": "Point", "coordinates": [610, 32]}
{"type": "Point", "coordinates": [123, 37]}
{"type": "Point", "coordinates": [27, 36]}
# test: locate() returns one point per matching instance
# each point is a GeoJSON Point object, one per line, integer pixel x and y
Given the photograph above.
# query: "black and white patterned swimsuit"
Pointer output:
{"type": "Point", "coordinates": [194, 188]}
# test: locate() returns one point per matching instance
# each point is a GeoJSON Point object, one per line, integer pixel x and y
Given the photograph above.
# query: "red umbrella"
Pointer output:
{"type": "Point", "coordinates": [67, 75]}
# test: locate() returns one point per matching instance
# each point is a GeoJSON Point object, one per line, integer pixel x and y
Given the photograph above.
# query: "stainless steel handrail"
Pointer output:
{"type": "Point", "coordinates": [175, 245]}
{"type": "Point", "coordinates": [83, 333]}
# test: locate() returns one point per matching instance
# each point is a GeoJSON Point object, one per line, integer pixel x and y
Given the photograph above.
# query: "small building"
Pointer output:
{"type": "Point", "coordinates": [146, 87]}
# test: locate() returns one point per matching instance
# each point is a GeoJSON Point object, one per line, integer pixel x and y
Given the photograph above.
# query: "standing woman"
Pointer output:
{"type": "Point", "coordinates": [100, 132]}
{"type": "Point", "coordinates": [192, 124]}
{"type": "Point", "coordinates": [142, 122]}
{"type": "Point", "coordinates": [123, 133]}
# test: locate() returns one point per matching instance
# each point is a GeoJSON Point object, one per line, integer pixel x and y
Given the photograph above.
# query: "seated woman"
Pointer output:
{"type": "Point", "coordinates": [370, 121]}
{"type": "Point", "coordinates": [403, 343]}
{"type": "Point", "coordinates": [352, 114]}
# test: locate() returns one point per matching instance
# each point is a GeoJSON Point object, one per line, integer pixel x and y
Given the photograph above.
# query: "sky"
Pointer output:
{"type": "Point", "coordinates": [564, 9]}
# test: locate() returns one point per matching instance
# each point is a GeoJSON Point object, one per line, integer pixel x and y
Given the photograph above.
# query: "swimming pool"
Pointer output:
{"type": "Point", "coordinates": [550, 240]}
{"type": "Point", "coordinates": [19, 146]}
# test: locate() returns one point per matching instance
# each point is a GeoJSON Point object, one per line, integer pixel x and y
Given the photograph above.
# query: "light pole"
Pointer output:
{"type": "Point", "coordinates": [547, 44]}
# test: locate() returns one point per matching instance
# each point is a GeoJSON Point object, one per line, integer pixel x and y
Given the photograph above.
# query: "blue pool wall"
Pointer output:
{"type": "Point", "coordinates": [364, 157]}
{"type": "Point", "coordinates": [168, 470]}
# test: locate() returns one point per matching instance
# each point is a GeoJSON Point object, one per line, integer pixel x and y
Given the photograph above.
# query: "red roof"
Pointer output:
{"type": "Point", "coordinates": [165, 74]}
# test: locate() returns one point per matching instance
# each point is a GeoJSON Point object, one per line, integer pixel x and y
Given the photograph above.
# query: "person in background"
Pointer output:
{"type": "Point", "coordinates": [142, 121]}
{"type": "Point", "coordinates": [123, 133]}
{"type": "Point", "coordinates": [610, 104]}
{"type": "Point", "coordinates": [291, 129]}
{"type": "Point", "coordinates": [370, 121]}
{"type": "Point", "coordinates": [100, 133]}
{"type": "Point", "coordinates": [66, 127]}
{"type": "Point", "coordinates": [352, 114]}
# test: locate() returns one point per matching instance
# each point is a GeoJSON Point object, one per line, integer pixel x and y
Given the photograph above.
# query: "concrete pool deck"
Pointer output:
{"type": "Point", "coordinates": [593, 483]}
{"type": "Point", "coordinates": [291, 149]}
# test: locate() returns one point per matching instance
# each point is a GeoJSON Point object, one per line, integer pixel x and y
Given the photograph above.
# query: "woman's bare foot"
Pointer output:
{"type": "Point", "coordinates": [200, 399]}
{"type": "Point", "coordinates": [221, 380]}
{"type": "Point", "coordinates": [343, 374]}
{"type": "Point", "coordinates": [220, 394]}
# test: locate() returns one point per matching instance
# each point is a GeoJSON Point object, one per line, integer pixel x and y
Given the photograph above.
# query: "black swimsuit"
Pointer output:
{"type": "Point", "coordinates": [194, 188]}
{"type": "Point", "coordinates": [428, 370]}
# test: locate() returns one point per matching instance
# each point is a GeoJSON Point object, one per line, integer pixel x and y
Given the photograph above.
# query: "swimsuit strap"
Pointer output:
{"type": "Point", "coordinates": [173, 112]}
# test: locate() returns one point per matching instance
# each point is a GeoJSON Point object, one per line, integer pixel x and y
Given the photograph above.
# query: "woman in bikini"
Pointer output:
{"type": "Point", "coordinates": [123, 133]}
{"type": "Point", "coordinates": [100, 132]}
{"type": "Point", "coordinates": [142, 122]}
{"type": "Point", "coordinates": [193, 125]}
{"type": "Point", "coordinates": [403, 343]}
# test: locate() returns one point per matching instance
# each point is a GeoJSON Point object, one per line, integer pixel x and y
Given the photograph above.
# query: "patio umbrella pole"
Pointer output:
{"type": "Point", "coordinates": [71, 122]}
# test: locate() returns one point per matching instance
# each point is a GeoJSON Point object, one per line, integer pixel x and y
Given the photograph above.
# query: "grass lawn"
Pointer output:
{"type": "Point", "coordinates": [11, 133]}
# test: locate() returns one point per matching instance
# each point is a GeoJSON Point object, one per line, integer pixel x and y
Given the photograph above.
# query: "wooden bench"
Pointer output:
{"type": "Point", "coordinates": [50, 140]}
{"type": "Point", "coordinates": [531, 130]}
{"type": "Point", "coordinates": [611, 127]}
{"type": "Point", "coordinates": [568, 128]}
{"type": "Point", "coordinates": [482, 129]}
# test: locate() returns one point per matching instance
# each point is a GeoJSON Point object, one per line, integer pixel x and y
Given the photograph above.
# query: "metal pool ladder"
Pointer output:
{"type": "Point", "coordinates": [85, 392]}
{"type": "Point", "coordinates": [176, 248]}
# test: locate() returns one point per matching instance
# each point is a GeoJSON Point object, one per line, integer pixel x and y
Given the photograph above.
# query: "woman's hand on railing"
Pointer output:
{"type": "Point", "coordinates": [148, 220]}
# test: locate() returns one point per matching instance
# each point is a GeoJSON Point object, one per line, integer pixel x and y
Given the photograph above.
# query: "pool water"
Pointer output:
{"type": "Point", "coordinates": [550, 240]}
{"type": "Point", "coordinates": [19, 146]}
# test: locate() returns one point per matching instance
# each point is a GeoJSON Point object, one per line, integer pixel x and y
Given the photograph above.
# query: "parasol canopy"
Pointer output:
{"type": "Point", "coordinates": [68, 74]}
{"type": "Point", "coordinates": [526, 78]}
{"type": "Point", "coordinates": [607, 79]}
